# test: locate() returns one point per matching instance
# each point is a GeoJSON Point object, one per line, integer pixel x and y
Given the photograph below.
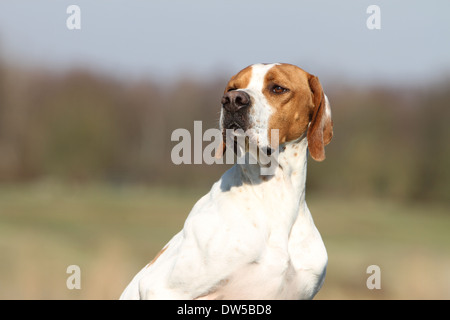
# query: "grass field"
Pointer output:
{"type": "Point", "coordinates": [110, 233]}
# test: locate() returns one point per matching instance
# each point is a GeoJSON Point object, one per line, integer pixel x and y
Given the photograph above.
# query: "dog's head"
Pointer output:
{"type": "Point", "coordinates": [263, 97]}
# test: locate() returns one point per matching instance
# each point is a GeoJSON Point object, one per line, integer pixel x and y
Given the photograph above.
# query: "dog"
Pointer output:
{"type": "Point", "coordinates": [252, 236]}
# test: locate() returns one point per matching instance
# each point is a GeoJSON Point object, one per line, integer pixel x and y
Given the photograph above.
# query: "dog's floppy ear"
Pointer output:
{"type": "Point", "coordinates": [320, 130]}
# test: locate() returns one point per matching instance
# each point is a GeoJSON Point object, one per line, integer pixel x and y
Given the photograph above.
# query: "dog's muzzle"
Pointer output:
{"type": "Point", "coordinates": [235, 110]}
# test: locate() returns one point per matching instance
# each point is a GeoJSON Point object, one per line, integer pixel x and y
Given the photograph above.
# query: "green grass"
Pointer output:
{"type": "Point", "coordinates": [113, 232]}
{"type": "Point", "coordinates": [409, 242]}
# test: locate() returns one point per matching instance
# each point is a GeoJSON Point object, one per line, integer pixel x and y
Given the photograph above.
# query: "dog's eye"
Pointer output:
{"type": "Point", "coordinates": [279, 89]}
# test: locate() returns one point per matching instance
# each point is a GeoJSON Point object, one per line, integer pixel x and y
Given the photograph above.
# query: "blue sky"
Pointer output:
{"type": "Point", "coordinates": [167, 39]}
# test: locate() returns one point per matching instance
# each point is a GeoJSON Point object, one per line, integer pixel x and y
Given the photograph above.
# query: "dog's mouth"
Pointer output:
{"type": "Point", "coordinates": [234, 126]}
{"type": "Point", "coordinates": [236, 121]}
{"type": "Point", "coordinates": [233, 129]}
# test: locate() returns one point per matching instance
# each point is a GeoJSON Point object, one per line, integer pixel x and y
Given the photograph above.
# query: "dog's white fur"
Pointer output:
{"type": "Point", "coordinates": [250, 237]}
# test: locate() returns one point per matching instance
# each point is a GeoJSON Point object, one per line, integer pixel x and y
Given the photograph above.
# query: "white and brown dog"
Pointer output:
{"type": "Point", "coordinates": [252, 236]}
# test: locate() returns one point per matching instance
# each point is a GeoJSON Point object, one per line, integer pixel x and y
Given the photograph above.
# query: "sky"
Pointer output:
{"type": "Point", "coordinates": [167, 39]}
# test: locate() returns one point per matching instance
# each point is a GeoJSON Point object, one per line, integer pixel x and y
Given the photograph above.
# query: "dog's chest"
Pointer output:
{"type": "Point", "coordinates": [278, 271]}
{"type": "Point", "coordinates": [268, 259]}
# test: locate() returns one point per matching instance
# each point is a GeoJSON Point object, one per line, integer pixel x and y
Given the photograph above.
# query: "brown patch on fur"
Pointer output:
{"type": "Point", "coordinates": [292, 108]}
{"type": "Point", "coordinates": [302, 105]}
{"type": "Point", "coordinates": [157, 256]}
{"type": "Point", "coordinates": [320, 130]}
{"type": "Point", "coordinates": [240, 80]}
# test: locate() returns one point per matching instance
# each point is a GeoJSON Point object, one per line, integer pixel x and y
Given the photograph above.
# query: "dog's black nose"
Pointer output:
{"type": "Point", "coordinates": [235, 100]}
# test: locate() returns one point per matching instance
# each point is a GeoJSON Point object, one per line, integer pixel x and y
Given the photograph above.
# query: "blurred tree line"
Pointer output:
{"type": "Point", "coordinates": [77, 126]}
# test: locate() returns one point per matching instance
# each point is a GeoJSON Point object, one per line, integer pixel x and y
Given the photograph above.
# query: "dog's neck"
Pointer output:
{"type": "Point", "coordinates": [284, 191]}
{"type": "Point", "coordinates": [293, 160]}
{"type": "Point", "coordinates": [291, 165]}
